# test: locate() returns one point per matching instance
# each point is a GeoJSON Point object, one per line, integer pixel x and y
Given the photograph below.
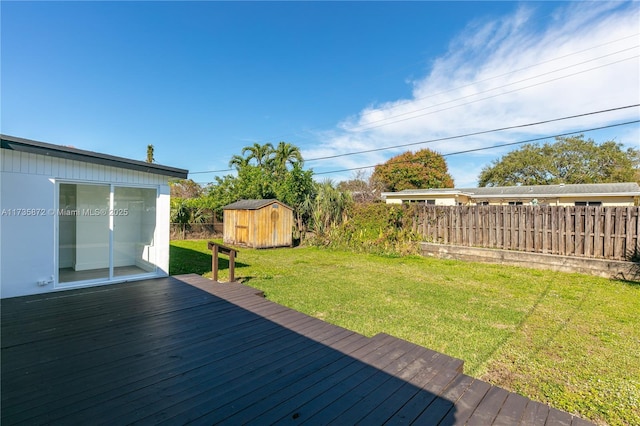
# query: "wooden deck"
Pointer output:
{"type": "Point", "coordinates": [185, 350]}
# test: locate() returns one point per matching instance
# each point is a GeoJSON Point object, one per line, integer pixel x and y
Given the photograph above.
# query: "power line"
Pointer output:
{"type": "Point", "coordinates": [495, 96]}
{"type": "Point", "coordinates": [211, 171]}
{"type": "Point", "coordinates": [490, 147]}
{"type": "Point", "coordinates": [514, 71]}
{"type": "Point", "coordinates": [368, 126]}
{"type": "Point", "coordinates": [471, 134]}
{"type": "Point", "coordinates": [446, 138]}
{"type": "Point", "coordinates": [503, 75]}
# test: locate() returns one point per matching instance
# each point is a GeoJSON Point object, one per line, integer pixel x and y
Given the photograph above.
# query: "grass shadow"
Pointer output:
{"type": "Point", "coordinates": [188, 261]}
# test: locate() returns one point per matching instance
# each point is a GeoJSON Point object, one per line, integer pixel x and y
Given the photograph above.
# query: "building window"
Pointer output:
{"type": "Point", "coordinates": [588, 203]}
{"type": "Point", "coordinates": [515, 203]}
{"type": "Point", "coordinates": [429, 202]}
{"type": "Point", "coordinates": [482, 203]}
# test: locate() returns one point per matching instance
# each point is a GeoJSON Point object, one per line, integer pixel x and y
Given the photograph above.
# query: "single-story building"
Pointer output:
{"type": "Point", "coordinates": [71, 218]}
{"type": "Point", "coordinates": [258, 224]}
{"type": "Point", "coordinates": [598, 194]}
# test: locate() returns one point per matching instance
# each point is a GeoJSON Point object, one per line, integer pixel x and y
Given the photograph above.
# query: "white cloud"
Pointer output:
{"type": "Point", "coordinates": [514, 70]}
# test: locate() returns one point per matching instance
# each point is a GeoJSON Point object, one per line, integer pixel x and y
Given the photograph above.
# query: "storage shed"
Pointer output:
{"type": "Point", "coordinates": [258, 224]}
{"type": "Point", "coordinates": [73, 218]}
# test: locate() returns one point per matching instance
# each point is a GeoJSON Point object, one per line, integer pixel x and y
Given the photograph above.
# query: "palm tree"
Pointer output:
{"type": "Point", "coordinates": [287, 153]}
{"type": "Point", "coordinates": [150, 158]}
{"type": "Point", "coordinates": [261, 153]}
{"type": "Point", "coordinates": [238, 162]}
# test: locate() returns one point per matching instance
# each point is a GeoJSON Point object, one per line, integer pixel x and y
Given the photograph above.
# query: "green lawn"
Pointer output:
{"type": "Point", "coordinates": [569, 340]}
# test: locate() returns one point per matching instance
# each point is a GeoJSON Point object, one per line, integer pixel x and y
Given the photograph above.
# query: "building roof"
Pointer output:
{"type": "Point", "coordinates": [569, 190]}
{"type": "Point", "coordinates": [59, 151]}
{"type": "Point", "coordinates": [253, 204]}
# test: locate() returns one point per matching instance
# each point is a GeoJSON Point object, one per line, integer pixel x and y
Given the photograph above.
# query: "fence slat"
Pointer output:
{"type": "Point", "coordinates": [589, 232]}
{"type": "Point", "coordinates": [545, 230]}
{"type": "Point", "coordinates": [618, 244]}
{"type": "Point", "coordinates": [597, 233]}
{"type": "Point", "coordinates": [629, 248]}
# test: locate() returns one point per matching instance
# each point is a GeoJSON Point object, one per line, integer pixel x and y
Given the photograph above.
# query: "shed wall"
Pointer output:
{"type": "Point", "coordinates": [272, 227]}
{"type": "Point", "coordinates": [262, 228]}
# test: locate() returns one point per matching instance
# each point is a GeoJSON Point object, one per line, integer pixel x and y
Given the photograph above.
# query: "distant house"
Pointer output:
{"type": "Point", "coordinates": [72, 218]}
{"type": "Point", "coordinates": [600, 194]}
{"type": "Point", "coordinates": [258, 224]}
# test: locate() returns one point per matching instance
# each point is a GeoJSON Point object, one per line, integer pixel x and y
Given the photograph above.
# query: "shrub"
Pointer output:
{"type": "Point", "coordinates": [374, 228]}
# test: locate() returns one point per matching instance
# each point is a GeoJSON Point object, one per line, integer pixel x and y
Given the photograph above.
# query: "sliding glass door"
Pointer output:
{"type": "Point", "coordinates": [105, 231]}
{"type": "Point", "coordinates": [134, 225]}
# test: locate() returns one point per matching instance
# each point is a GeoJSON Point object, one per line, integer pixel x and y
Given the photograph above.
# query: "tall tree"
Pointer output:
{"type": "Point", "coordinates": [286, 154]}
{"type": "Point", "coordinates": [293, 189]}
{"type": "Point", "coordinates": [362, 187]}
{"type": "Point", "coordinates": [568, 160]}
{"type": "Point", "coordinates": [262, 154]}
{"type": "Point", "coordinates": [420, 170]}
{"type": "Point", "coordinates": [238, 162]}
{"type": "Point", "coordinates": [185, 188]}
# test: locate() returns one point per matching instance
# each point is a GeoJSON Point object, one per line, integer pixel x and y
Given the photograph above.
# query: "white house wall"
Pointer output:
{"type": "Point", "coordinates": [28, 242]}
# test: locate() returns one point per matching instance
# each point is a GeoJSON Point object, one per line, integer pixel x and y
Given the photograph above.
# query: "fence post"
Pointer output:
{"type": "Point", "coordinates": [214, 262]}
{"type": "Point", "coordinates": [232, 265]}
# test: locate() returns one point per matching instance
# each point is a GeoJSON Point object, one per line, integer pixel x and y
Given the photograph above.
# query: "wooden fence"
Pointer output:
{"type": "Point", "coordinates": [187, 231]}
{"type": "Point", "coordinates": [596, 232]}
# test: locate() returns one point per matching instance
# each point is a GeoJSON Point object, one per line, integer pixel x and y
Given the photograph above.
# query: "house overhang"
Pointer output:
{"type": "Point", "coordinates": [564, 195]}
{"type": "Point", "coordinates": [41, 148]}
{"type": "Point", "coordinates": [527, 195]}
{"type": "Point", "coordinates": [408, 195]}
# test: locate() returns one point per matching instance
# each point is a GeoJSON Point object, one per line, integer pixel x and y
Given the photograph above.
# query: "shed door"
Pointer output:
{"type": "Point", "coordinates": [242, 226]}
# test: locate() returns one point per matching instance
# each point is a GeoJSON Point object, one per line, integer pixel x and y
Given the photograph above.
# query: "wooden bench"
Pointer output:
{"type": "Point", "coordinates": [217, 249]}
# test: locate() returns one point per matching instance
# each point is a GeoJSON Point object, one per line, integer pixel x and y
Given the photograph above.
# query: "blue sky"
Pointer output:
{"type": "Point", "coordinates": [201, 80]}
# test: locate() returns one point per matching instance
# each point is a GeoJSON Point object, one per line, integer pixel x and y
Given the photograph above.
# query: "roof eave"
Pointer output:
{"type": "Point", "coordinates": [58, 151]}
{"type": "Point", "coordinates": [574, 195]}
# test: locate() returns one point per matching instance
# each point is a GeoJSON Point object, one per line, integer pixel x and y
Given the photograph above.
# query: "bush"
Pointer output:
{"type": "Point", "coordinates": [374, 228]}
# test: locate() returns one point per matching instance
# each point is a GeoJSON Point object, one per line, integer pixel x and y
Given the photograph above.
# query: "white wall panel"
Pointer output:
{"type": "Point", "coordinates": [27, 234]}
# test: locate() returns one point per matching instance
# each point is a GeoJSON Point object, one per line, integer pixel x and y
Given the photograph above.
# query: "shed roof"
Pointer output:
{"type": "Point", "coordinates": [253, 204]}
{"type": "Point", "coordinates": [59, 151]}
{"type": "Point", "coordinates": [567, 190]}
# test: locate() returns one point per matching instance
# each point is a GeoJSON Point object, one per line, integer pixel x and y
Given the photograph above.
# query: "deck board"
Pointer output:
{"type": "Point", "coordinates": [512, 410]}
{"type": "Point", "coordinates": [185, 349]}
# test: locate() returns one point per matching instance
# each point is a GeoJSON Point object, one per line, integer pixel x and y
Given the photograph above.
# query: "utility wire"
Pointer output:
{"type": "Point", "coordinates": [368, 126]}
{"type": "Point", "coordinates": [365, 127]}
{"type": "Point", "coordinates": [470, 134]}
{"type": "Point", "coordinates": [446, 138]}
{"type": "Point", "coordinates": [500, 75]}
{"type": "Point", "coordinates": [211, 171]}
{"type": "Point", "coordinates": [489, 147]}
{"type": "Point", "coordinates": [496, 95]}
{"type": "Point", "coordinates": [511, 72]}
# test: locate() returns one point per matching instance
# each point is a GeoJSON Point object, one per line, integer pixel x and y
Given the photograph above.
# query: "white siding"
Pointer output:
{"type": "Point", "coordinates": [60, 168]}
{"type": "Point", "coordinates": [28, 244]}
